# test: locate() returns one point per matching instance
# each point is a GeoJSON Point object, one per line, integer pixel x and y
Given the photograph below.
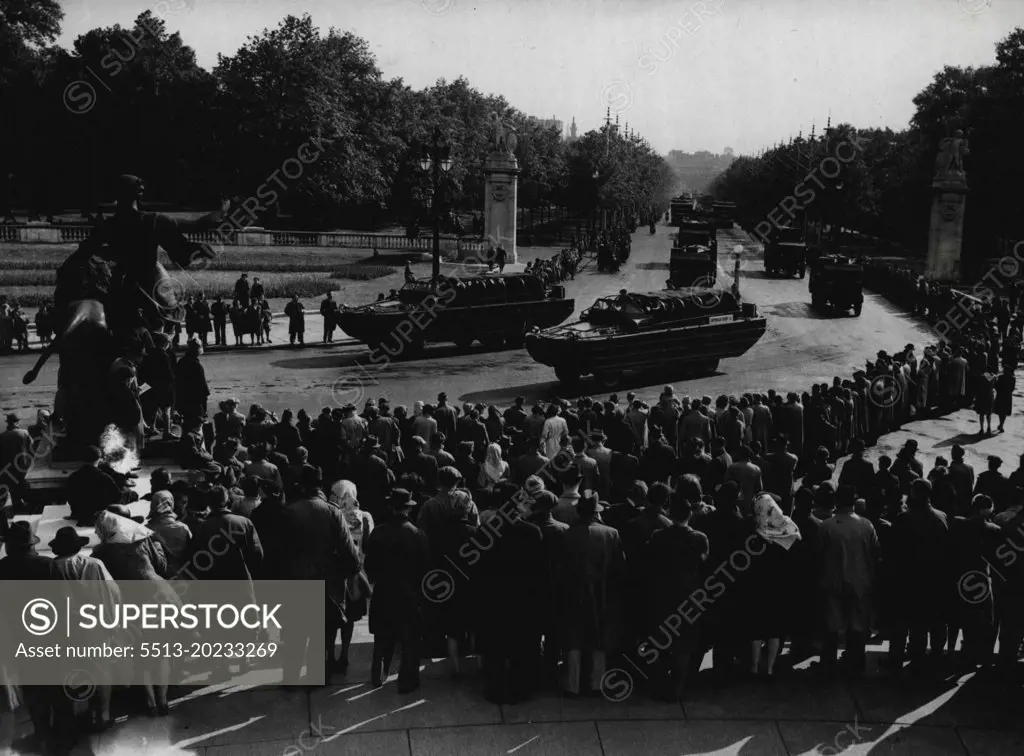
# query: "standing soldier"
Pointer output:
{"type": "Point", "coordinates": [219, 311]}
{"type": "Point", "coordinates": [329, 311]}
{"type": "Point", "coordinates": [296, 320]}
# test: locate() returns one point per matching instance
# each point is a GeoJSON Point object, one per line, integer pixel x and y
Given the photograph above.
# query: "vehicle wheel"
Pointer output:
{"type": "Point", "coordinates": [609, 380]}
{"type": "Point", "coordinates": [567, 376]}
{"type": "Point", "coordinates": [464, 340]}
{"type": "Point", "coordinates": [803, 272]}
{"type": "Point", "coordinates": [856, 309]}
{"type": "Point", "coordinates": [493, 341]}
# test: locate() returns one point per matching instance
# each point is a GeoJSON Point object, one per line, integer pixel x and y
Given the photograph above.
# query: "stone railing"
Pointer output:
{"type": "Point", "coordinates": [43, 233]}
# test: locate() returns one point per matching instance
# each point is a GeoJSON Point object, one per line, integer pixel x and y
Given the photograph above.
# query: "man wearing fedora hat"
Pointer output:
{"type": "Point", "coordinates": [397, 560]}
{"type": "Point", "coordinates": [21, 562]}
{"type": "Point", "coordinates": [594, 571]}
{"type": "Point", "coordinates": [372, 476]}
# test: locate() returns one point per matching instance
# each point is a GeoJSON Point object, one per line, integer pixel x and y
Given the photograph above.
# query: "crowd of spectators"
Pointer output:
{"type": "Point", "coordinates": [550, 539]}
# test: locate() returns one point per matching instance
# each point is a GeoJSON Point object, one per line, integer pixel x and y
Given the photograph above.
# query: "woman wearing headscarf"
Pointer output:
{"type": "Point", "coordinates": [130, 552]}
{"type": "Point", "coordinates": [770, 604]}
{"type": "Point", "coordinates": [345, 497]}
{"type": "Point", "coordinates": [494, 467]}
{"type": "Point", "coordinates": [173, 535]}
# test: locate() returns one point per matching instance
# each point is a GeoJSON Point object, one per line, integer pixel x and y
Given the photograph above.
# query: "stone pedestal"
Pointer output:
{"type": "Point", "coordinates": [946, 229]}
{"type": "Point", "coordinates": [500, 195]}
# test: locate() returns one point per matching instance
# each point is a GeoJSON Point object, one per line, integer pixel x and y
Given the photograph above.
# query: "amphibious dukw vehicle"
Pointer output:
{"type": "Point", "coordinates": [690, 329]}
{"type": "Point", "coordinates": [495, 310]}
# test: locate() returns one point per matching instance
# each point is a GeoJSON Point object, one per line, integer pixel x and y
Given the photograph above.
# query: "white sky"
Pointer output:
{"type": "Point", "coordinates": [686, 75]}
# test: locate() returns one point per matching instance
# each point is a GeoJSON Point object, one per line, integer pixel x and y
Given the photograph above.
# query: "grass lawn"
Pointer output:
{"type": "Point", "coordinates": [354, 275]}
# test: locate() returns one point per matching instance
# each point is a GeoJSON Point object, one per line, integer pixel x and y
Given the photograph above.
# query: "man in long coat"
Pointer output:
{"type": "Point", "coordinates": [397, 560]}
{"type": "Point", "coordinates": [321, 549]}
{"type": "Point", "coordinates": [850, 553]}
{"type": "Point", "coordinates": [512, 571]}
{"type": "Point", "coordinates": [296, 320]}
{"type": "Point", "coordinates": [592, 586]}
{"type": "Point", "coordinates": [920, 548]}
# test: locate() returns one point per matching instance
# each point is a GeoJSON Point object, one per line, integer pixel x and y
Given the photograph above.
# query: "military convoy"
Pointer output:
{"type": "Point", "coordinates": [495, 310]}
{"type": "Point", "coordinates": [786, 252]}
{"type": "Point", "coordinates": [837, 282]}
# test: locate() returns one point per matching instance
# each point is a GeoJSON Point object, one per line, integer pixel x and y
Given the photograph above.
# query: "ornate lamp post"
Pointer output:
{"type": "Point", "coordinates": [437, 161]}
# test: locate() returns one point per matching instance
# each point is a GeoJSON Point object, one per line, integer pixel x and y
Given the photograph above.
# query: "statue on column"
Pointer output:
{"type": "Point", "coordinates": [949, 164]}
{"type": "Point", "coordinates": [504, 135]}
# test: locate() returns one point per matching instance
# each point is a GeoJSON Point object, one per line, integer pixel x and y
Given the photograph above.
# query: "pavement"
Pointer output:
{"type": "Point", "coordinates": [971, 715]}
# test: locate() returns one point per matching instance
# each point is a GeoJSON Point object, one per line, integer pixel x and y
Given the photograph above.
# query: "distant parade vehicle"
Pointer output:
{"type": "Point", "coordinates": [724, 214]}
{"type": "Point", "coordinates": [688, 330]}
{"type": "Point", "coordinates": [837, 282]}
{"type": "Point", "coordinates": [694, 257]}
{"type": "Point", "coordinates": [496, 310]}
{"type": "Point", "coordinates": [786, 252]}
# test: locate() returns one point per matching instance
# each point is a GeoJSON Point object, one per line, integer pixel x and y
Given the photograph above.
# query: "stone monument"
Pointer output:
{"type": "Point", "coordinates": [501, 170]}
{"type": "Point", "coordinates": [946, 230]}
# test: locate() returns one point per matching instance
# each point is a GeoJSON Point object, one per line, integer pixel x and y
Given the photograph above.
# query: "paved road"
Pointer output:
{"type": "Point", "coordinates": [799, 347]}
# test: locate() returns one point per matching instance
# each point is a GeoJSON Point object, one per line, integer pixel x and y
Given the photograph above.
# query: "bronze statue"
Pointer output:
{"type": "Point", "coordinates": [111, 293]}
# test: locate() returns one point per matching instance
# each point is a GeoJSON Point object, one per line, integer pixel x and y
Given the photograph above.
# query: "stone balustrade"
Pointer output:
{"type": "Point", "coordinates": [44, 233]}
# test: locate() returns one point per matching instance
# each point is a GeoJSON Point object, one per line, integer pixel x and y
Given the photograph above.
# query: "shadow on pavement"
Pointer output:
{"type": "Point", "coordinates": [799, 310]}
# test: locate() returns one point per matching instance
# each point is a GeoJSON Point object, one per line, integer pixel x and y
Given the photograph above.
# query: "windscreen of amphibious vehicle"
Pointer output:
{"type": "Point", "coordinates": [478, 290]}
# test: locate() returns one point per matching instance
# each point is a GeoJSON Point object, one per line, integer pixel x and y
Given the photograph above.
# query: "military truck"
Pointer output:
{"type": "Point", "coordinates": [786, 252]}
{"type": "Point", "coordinates": [837, 282]}
{"type": "Point", "coordinates": [694, 257]}
{"type": "Point", "coordinates": [724, 214]}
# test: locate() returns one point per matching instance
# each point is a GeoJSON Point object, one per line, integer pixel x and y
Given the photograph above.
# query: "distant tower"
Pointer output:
{"type": "Point", "coordinates": [572, 130]}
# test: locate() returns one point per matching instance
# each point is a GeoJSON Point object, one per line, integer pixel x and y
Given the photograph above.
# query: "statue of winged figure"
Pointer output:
{"type": "Point", "coordinates": [950, 159]}
{"type": "Point", "coordinates": [504, 135]}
